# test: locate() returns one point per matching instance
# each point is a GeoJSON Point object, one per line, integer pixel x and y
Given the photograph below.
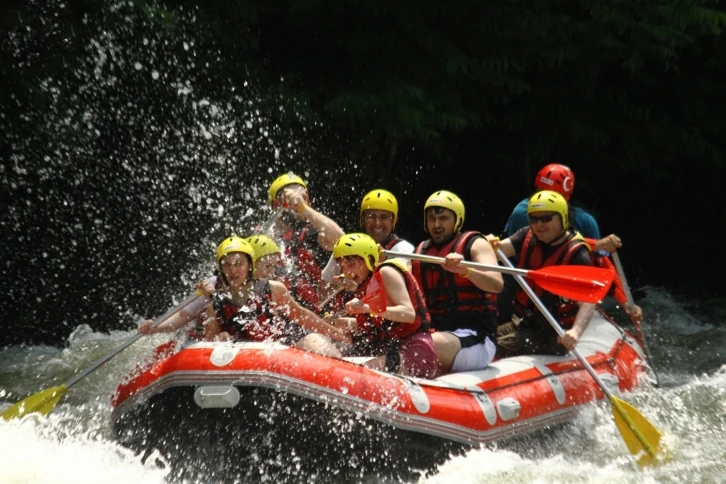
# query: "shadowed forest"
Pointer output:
{"type": "Point", "coordinates": [134, 136]}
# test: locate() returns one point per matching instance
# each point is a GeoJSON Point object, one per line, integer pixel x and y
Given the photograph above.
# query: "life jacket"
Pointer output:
{"type": "Point", "coordinates": [307, 259]}
{"type": "Point", "coordinates": [375, 327]}
{"type": "Point", "coordinates": [377, 336]}
{"type": "Point", "coordinates": [531, 258]}
{"type": "Point", "coordinates": [605, 262]}
{"type": "Point", "coordinates": [454, 301]}
{"type": "Point", "coordinates": [252, 322]}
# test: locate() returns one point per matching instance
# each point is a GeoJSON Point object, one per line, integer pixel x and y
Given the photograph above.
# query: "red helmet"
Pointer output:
{"type": "Point", "coordinates": [556, 177]}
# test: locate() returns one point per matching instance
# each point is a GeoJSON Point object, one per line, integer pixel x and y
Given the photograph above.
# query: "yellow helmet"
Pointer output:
{"type": "Point", "coordinates": [550, 201]}
{"type": "Point", "coordinates": [379, 200]}
{"type": "Point", "coordinates": [446, 199]}
{"type": "Point", "coordinates": [281, 182]}
{"type": "Point", "coordinates": [235, 244]}
{"type": "Point", "coordinates": [263, 245]}
{"type": "Point", "coordinates": [361, 245]}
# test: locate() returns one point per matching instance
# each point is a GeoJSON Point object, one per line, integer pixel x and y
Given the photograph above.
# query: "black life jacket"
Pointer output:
{"type": "Point", "coordinates": [454, 302]}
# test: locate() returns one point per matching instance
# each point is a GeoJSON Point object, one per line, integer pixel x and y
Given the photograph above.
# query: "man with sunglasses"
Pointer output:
{"type": "Point", "coordinates": [548, 240]}
{"type": "Point", "coordinates": [560, 178]}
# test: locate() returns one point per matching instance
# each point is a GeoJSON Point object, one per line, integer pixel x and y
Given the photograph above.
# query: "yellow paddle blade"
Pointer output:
{"type": "Point", "coordinates": [641, 436]}
{"type": "Point", "coordinates": [42, 402]}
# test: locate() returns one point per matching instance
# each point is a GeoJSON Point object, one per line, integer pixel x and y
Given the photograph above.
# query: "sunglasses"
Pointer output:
{"type": "Point", "coordinates": [533, 219]}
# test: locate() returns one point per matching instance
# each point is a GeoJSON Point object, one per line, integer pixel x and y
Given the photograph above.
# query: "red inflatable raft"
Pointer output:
{"type": "Point", "coordinates": [270, 402]}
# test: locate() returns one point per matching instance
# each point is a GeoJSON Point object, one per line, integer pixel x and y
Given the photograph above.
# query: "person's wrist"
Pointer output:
{"type": "Point", "coordinates": [466, 274]}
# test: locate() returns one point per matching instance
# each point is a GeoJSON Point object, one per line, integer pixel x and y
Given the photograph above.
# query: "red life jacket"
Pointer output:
{"type": "Point", "coordinates": [531, 257]}
{"type": "Point", "coordinates": [256, 322]}
{"type": "Point", "coordinates": [605, 263]}
{"type": "Point", "coordinates": [454, 301]}
{"type": "Point", "coordinates": [372, 328]}
{"type": "Point", "coordinates": [301, 247]}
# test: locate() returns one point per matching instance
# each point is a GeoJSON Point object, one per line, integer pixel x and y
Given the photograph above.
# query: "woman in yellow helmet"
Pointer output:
{"type": "Point", "coordinates": [398, 336]}
{"type": "Point", "coordinates": [267, 256]}
{"type": "Point", "coordinates": [548, 240]}
{"type": "Point", "coordinates": [244, 308]}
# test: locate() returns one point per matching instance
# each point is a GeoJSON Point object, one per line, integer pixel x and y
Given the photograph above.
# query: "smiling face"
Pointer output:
{"type": "Point", "coordinates": [353, 267]}
{"type": "Point", "coordinates": [236, 269]}
{"type": "Point", "coordinates": [546, 226]}
{"type": "Point", "coordinates": [378, 224]}
{"type": "Point", "coordinates": [440, 223]}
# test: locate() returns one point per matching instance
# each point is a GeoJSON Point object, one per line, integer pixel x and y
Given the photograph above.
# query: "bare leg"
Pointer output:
{"type": "Point", "coordinates": [447, 346]}
{"type": "Point", "coordinates": [319, 344]}
{"type": "Point", "coordinates": [379, 363]}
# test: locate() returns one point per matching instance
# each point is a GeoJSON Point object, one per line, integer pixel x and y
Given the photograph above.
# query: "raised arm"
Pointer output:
{"type": "Point", "coordinates": [328, 231]}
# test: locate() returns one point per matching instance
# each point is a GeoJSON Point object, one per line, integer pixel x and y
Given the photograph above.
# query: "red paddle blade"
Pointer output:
{"type": "Point", "coordinates": [580, 283]}
{"type": "Point", "coordinates": [375, 296]}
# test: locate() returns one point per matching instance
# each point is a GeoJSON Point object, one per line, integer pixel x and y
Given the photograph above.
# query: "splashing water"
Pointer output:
{"type": "Point", "coordinates": [690, 409]}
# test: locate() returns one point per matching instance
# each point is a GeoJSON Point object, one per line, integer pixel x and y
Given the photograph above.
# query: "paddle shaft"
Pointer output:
{"type": "Point", "coordinates": [555, 325]}
{"type": "Point", "coordinates": [101, 361]}
{"type": "Point", "coordinates": [465, 263]}
{"type": "Point", "coordinates": [631, 304]}
{"type": "Point", "coordinates": [325, 301]}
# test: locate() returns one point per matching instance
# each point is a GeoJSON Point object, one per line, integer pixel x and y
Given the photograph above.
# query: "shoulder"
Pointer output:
{"type": "Point", "coordinates": [581, 257]}
{"type": "Point", "coordinates": [519, 235]}
{"type": "Point", "coordinates": [521, 206]}
{"type": "Point", "coordinates": [403, 246]}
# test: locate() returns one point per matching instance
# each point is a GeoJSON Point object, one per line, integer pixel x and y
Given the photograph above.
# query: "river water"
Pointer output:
{"type": "Point", "coordinates": [686, 338]}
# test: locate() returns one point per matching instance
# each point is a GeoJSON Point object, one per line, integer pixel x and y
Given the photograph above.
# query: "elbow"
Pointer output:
{"type": "Point", "coordinates": [497, 284]}
{"type": "Point", "coordinates": [408, 316]}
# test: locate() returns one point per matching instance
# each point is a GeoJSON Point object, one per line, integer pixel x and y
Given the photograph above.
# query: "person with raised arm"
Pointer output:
{"type": "Point", "coordinates": [305, 236]}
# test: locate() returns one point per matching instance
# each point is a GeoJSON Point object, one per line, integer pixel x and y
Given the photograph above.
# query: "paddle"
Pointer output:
{"type": "Point", "coordinates": [640, 436]}
{"type": "Point", "coordinates": [333, 293]}
{"type": "Point", "coordinates": [375, 297]}
{"type": "Point", "coordinates": [580, 283]}
{"type": "Point", "coordinates": [45, 401]}
{"type": "Point", "coordinates": [631, 304]}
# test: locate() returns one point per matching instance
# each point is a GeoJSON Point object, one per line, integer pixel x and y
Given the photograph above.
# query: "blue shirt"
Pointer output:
{"type": "Point", "coordinates": [583, 222]}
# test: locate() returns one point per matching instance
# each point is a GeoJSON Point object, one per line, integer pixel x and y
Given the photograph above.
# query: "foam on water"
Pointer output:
{"type": "Point", "coordinates": [40, 451]}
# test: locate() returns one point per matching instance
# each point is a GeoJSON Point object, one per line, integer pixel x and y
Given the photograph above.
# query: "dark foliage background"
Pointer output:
{"type": "Point", "coordinates": [135, 135]}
